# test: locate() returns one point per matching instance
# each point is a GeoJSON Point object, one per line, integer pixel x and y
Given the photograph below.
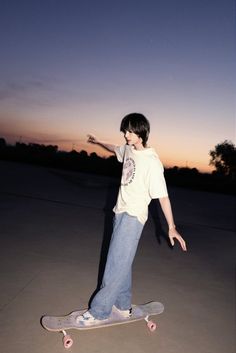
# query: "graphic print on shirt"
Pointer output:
{"type": "Point", "coordinates": [128, 172]}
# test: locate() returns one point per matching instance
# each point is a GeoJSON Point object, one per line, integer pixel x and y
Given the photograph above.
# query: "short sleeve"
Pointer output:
{"type": "Point", "coordinates": [157, 183]}
{"type": "Point", "coordinates": [120, 153]}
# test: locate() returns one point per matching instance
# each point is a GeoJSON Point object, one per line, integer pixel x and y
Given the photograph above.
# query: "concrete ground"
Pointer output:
{"type": "Point", "coordinates": [54, 229]}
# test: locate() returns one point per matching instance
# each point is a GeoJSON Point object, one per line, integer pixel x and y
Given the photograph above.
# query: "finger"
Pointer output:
{"type": "Point", "coordinates": [183, 244]}
{"type": "Point", "coordinates": [180, 240]}
{"type": "Point", "coordinates": [172, 241]}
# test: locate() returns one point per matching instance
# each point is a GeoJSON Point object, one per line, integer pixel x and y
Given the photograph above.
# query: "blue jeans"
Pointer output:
{"type": "Point", "coordinates": [116, 284]}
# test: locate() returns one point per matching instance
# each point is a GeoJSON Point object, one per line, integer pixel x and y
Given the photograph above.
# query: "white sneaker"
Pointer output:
{"type": "Point", "coordinates": [124, 313]}
{"type": "Point", "coordinates": [87, 319]}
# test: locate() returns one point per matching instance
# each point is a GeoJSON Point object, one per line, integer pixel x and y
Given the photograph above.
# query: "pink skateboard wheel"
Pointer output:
{"type": "Point", "coordinates": [152, 326]}
{"type": "Point", "coordinates": [67, 341]}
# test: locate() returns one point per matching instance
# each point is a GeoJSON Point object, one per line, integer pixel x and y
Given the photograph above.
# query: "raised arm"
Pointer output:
{"type": "Point", "coordinates": [173, 234]}
{"type": "Point", "coordinates": [107, 146]}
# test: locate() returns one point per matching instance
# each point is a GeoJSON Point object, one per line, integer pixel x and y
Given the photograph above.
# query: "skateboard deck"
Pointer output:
{"type": "Point", "coordinates": [63, 323]}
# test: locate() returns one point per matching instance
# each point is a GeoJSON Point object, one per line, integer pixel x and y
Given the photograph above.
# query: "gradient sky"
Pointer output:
{"type": "Point", "coordinates": [72, 67]}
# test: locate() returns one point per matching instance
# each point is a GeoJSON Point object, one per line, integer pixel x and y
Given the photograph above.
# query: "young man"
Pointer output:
{"type": "Point", "coordinates": [142, 180]}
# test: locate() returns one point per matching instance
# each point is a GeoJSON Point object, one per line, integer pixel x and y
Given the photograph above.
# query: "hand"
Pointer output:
{"type": "Point", "coordinates": [92, 139]}
{"type": "Point", "coordinates": [173, 234]}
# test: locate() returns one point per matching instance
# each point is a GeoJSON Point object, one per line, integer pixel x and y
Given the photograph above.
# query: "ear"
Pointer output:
{"type": "Point", "coordinates": [141, 140]}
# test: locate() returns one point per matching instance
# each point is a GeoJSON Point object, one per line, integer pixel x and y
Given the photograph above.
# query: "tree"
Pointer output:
{"type": "Point", "coordinates": [3, 143]}
{"type": "Point", "coordinates": [223, 158]}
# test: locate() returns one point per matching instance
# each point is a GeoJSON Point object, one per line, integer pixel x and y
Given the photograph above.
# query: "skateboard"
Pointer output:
{"type": "Point", "coordinates": [63, 323]}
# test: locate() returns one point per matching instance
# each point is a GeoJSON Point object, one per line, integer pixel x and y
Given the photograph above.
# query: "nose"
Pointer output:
{"type": "Point", "coordinates": [126, 133]}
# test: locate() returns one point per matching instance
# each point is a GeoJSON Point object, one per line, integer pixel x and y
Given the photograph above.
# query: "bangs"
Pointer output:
{"type": "Point", "coordinates": [126, 125]}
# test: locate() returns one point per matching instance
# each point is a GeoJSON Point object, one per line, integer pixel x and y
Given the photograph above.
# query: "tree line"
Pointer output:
{"type": "Point", "coordinates": [222, 157]}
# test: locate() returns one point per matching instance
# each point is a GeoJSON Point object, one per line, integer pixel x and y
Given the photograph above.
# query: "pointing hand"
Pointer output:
{"type": "Point", "coordinates": [92, 138]}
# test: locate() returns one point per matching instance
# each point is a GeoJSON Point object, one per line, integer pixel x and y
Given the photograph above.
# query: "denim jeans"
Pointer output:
{"type": "Point", "coordinates": [116, 284]}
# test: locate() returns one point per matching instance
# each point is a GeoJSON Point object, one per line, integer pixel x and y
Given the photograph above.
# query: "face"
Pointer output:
{"type": "Point", "coordinates": [133, 140]}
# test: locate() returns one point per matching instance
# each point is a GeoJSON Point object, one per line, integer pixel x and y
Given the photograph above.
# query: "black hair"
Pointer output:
{"type": "Point", "coordinates": [138, 124]}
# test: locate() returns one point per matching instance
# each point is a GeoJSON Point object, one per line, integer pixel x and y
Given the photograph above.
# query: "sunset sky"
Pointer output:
{"type": "Point", "coordinates": [72, 67]}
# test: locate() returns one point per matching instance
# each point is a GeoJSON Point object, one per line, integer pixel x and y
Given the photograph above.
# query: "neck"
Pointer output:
{"type": "Point", "coordinates": [139, 147]}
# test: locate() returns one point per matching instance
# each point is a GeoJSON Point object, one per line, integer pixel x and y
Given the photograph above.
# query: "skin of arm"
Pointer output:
{"type": "Point", "coordinates": [93, 139]}
{"type": "Point", "coordinates": [173, 234]}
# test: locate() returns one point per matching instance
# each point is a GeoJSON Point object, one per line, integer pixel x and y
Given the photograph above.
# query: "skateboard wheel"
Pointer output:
{"type": "Point", "coordinates": [152, 326]}
{"type": "Point", "coordinates": [67, 341]}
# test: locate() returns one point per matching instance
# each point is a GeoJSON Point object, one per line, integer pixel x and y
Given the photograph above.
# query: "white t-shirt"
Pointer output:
{"type": "Point", "coordinates": [142, 180]}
